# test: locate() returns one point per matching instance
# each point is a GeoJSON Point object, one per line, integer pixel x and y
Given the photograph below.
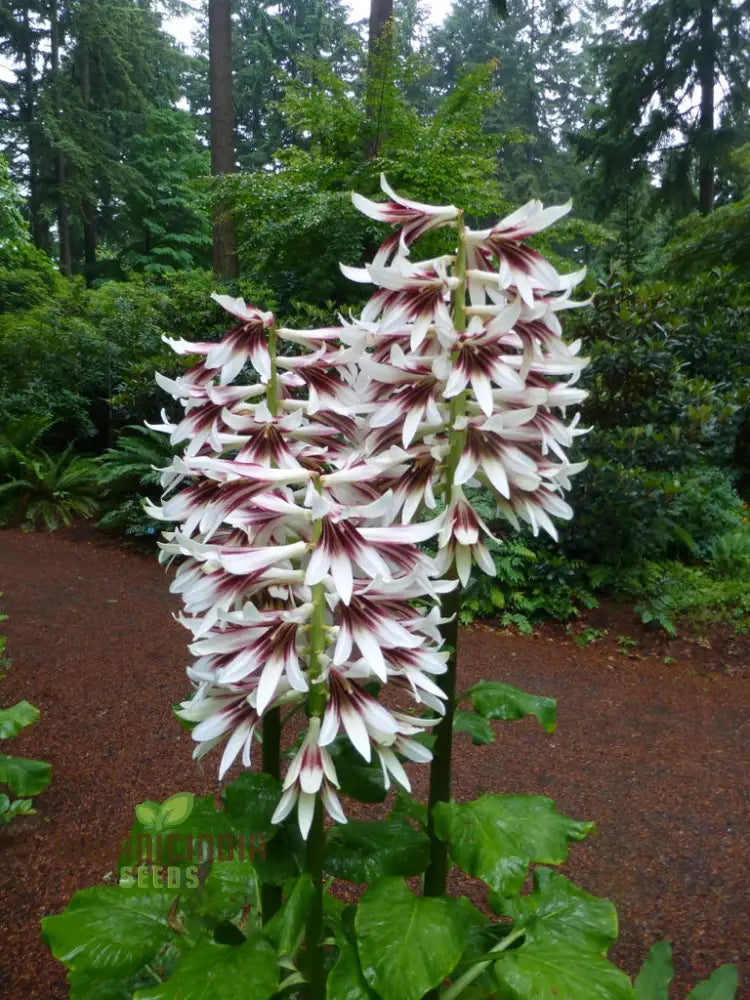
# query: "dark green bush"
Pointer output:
{"type": "Point", "coordinates": [130, 473]}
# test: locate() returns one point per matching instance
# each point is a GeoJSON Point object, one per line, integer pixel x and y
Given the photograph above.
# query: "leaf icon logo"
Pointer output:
{"type": "Point", "coordinates": [175, 810]}
{"type": "Point", "coordinates": [147, 813]}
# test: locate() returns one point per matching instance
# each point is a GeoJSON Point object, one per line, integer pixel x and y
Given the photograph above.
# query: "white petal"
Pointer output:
{"type": "Point", "coordinates": [356, 730]}
{"type": "Point", "coordinates": [305, 812]}
{"type": "Point", "coordinates": [233, 747]}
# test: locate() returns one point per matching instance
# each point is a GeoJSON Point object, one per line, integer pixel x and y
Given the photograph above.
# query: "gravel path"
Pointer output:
{"type": "Point", "coordinates": [656, 753]}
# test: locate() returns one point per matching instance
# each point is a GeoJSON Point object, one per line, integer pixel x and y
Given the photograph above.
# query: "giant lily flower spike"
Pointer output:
{"type": "Point", "coordinates": [297, 506]}
{"type": "Point", "coordinates": [468, 378]}
{"type": "Point", "coordinates": [288, 542]}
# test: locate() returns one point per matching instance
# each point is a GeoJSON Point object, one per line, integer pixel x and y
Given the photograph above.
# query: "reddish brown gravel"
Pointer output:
{"type": "Point", "coordinates": [655, 752]}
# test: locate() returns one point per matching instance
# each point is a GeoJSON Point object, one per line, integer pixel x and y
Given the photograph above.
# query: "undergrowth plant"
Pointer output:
{"type": "Point", "coordinates": [130, 473]}
{"type": "Point", "coordinates": [38, 488]}
{"type": "Point", "coordinates": [319, 623]}
{"type": "Point", "coordinates": [20, 778]}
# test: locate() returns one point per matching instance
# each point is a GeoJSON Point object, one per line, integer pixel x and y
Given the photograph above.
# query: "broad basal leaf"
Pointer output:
{"type": "Point", "coordinates": [363, 852]}
{"type": "Point", "coordinates": [557, 910]}
{"type": "Point", "coordinates": [230, 890]}
{"type": "Point", "coordinates": [407, 807]}
{"type": "Point", "coordinates": [652, 982]}
{"type": "Point", "coordinates": [477, 727]}
{"type": "Point", "coordinates": [721, 986]}
{"type": "Point", "coordinates": [110, 930]}
{"type": "Point", "coordinates": [558, 970]}
{"type": "Point", "coordinates": [357, 779]}
{"type": "Point", "coordinates": [345, 980]}
{"type": "Point", "coordinates": [287, 926]}
{"type": "Point", "coordinates": [212, 971]}
{"type": "Point", "coordinates": [496, 837]}
{"type": "Point", "coordinates": [16, 718]}
{"type": "Point", "coordinates": [497, 700]}
{"type": "Point", "coordinates": [408, 944]}
{"type": "Point", "coordinates": [84, 986]}
{"type": "Point", "coordinates": [24, 776]}
{"type": "Point", "coordinates": [250, 801]}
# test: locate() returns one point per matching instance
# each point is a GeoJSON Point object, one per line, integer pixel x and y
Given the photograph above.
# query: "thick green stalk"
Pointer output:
{"type": "Point", "coordinates": [316, 703]}
{"type": "Point", "coordinates": [315, 989]}
{"type": "Point", "coordinates": [271, 751]}
{"type": "Point", "coordinates": [450, 606]}
{"type": "Point", "coordinates": [456, 988]}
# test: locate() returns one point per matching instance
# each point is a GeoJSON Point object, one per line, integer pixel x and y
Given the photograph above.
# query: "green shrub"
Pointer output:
{"type": "Point", "coordinates": [54, 363]}
{"type": "Point", "coordinates": [37, 488]}
{"type": "Point", "coordinates": [130, 472]}
{"type": "Point", "coordinates": [624, 514]}
{"type": "Point", "coordinates": [22, 777]}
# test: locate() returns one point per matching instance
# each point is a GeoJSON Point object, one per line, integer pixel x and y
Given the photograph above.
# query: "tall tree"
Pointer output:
{"type": "Point", "coordinates": [676, 80]}
{"type": "Point", "coordinates": [63, 221]}
{"type": "Point", "coordinates": [379, 69]}
{"type": "Point", "coordinates": [86, 74]}
{"type": "Point", "coordinates": [222, 129]}
{"type": "Point", "coordinates": [22, 37]}
{"type": "Point", "coordinates": [539, 54]}
{"type": "Point", "coordinates": [273, 44]}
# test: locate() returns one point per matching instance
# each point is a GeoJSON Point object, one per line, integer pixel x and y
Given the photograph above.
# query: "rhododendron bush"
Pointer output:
{"type": "Point", "coordinates": [324, 529]}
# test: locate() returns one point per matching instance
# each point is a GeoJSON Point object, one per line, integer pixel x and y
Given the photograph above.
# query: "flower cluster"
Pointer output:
{"type": "Point", "coordinates": [300, 497]}
{"type": "Point", "coordinates": [297, 586]}
{"type": "Point", "coordinates": [468, 377]}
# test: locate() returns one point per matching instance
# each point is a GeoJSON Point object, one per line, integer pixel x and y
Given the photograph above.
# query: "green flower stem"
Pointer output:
{"type": "Point", "coordinates": [271, 729]}
{"type": "Point", "coordinates": [316, 703]}
{"type": "Point", "coordinates": [450, 606]}
{"type": "Point", "coordinates": [272, 397]}
{"type": "Point", "coordinates": [455, 989]}
{"type": "Point", "coordinates": [315, 989]}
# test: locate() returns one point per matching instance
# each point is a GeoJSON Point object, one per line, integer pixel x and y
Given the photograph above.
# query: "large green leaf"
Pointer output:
{"type": "Point", "coordinates": [16, 718]}
{"type": "Point", "coordinates": [24, 776]}
{"type": "Point", "coordinates": [357, 779]}
{"type": "Point", "coordinates": [497, 700]}
{"type": "Point", "coordinates": [363, 852]}
{"type": "Point", "coordinates": [721, 986]}
{"type": "Point", "coordinates": [407, 807]}
{"type": "Point", "coordinates": [287, 926]}
{"type": "Point", "coordinates": [85, 986]}
{"type": "Point", "coordinates": [345, 980]}
{"type": "Point", "coordinates": [111, 930]}
{"type": "Point", "coordinates": [284, 857]}
{"type": "Point", "coordinates": [408, 944]}
{"type": "Point", "coordinates": [230, 889]}
{"type": "Point", "coordinates": [560, 970]}
{"type": "Point", "coordinates": [496, 837]}
{"type": "Point", "coordinates": [557, 910]}
{"type": "Point", "coordinates": [250, 802]}
{"type": "Point", "coordinates": [652, 982]}
{"type": "Point", "coordinates": [475, 725]}
{"type": "Point", "coordinates": [212, 971]}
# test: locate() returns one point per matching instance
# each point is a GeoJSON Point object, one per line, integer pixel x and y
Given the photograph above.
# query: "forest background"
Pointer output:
{"type": "Point", "coordinates": [137, 177]}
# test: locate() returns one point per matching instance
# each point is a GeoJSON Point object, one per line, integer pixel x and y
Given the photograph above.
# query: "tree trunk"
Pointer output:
{"type": "Point", "coordinates": [88, 208]}
{"type": "Point", "coordinates": [63, 224]}
{"type": "Point", "coordinates": [222, 130]}
{"type": "Point", "coordinates": [37, 224]}
{"type": "Point", "coordinates": [379, 59]}
{"type": "Point", "coordinates": [707, 79]}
